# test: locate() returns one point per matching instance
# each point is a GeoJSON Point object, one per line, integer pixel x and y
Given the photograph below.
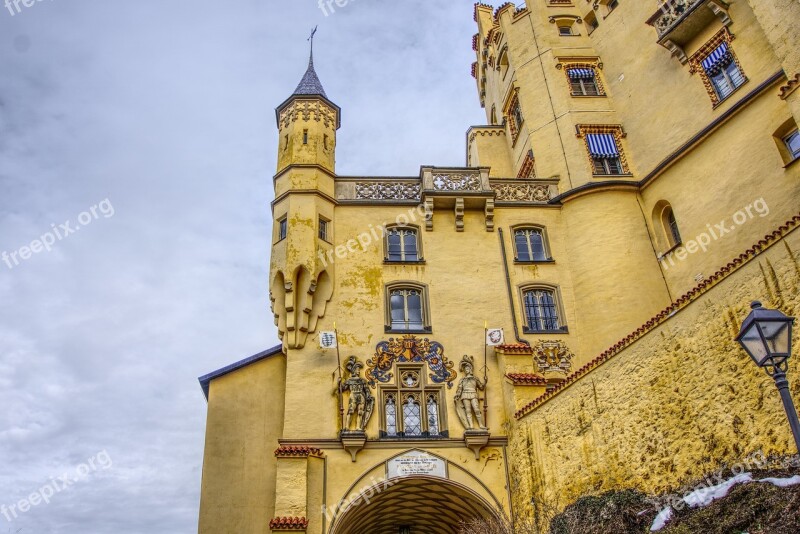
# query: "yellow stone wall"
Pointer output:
{"type": "Point", "coordinates": [245, 420]}
{"type": "Point", "coordinates": [676, 404]}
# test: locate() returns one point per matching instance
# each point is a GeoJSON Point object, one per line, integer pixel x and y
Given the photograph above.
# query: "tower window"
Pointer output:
{"type": "Point", "coordinates": [583, 81]}
{"type": "Point", "coordinates": [529, 244]}
{"type": "Point", "coordinates": [565, 30]}
{"type": "Point", "coordinates": [407, 308]}
{"type": "Point", "coordinates": [305, 137]}
{"type": "Point", "coordinates": [665, 226]}
{"type": "Point", "coordinates": [323, 229]}
{"type": "Point", "coordinates": [402, 244]}
{"type": "Point", "coordinates": [282, 229]}
{"type": "Point", "coordinates": [541, 311]}
{"type": "Point", "coordinates": [514, 117]}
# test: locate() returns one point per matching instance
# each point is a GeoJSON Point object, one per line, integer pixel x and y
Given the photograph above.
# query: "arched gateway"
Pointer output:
{"type": "Point", "coordinates": [412, 505]}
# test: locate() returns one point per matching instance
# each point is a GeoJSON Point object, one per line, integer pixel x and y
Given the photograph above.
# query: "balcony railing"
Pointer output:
{"type": "Point", "coordinates": [670, 13]}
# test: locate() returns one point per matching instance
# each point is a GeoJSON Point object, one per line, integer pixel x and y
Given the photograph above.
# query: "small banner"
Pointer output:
{"type": "Point", "coordinates": [494, 337]}
{"type": "Point", "coordinates": [327, 340]}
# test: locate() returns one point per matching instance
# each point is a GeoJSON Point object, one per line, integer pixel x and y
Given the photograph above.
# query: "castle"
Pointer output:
{"type": "Point", "coordinates": [553, 319]}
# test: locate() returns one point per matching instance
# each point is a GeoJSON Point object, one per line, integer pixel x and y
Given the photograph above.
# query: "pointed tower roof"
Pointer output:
{"type": "Point", "coordinates": [310, 84]}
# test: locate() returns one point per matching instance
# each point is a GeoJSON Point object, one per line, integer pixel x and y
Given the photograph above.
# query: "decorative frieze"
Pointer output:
{"type": "Point", "coordinates": [457, 182]}
{"type": "Point", "coordinates": [387, 191]}
{"type": "Point", "coordinates": [307, 110]}
{"type": "Point", "coordinates": [521, 192]}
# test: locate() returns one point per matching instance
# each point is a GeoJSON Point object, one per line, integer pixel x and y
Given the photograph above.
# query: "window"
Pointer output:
{"type": "Point", "coordinates": [565, 30]}
{"type": "Point", "coordinates": [583, 81]}
{"type": "Point", "coordinates": [305, 137]}
{"type": "Point", "coordinates": [529, 245]}
{"type": "Point", "coordinates": [402, 244]}
{"type": "Point", "coordinates": [412, 408]}
{"type": "Point", "coordinates": [406, 305]}
{"type": "Point", "coordinates": [323, 229]}
{"type": "Point", "coordinates": [722, 72]}
{"type": "Point", "coordinates": [793, 144]}
{"type": "Point", "coordinates": [514, 117]}
{"type": "Point", "coordinates": [605, 153]}
{"type": "Point", "coordinates": [541, 311]}
{"type": "Point", "coordinates": [612, 5]}
{"type": "Point", "coordinates": [665, 226]}
{"type": "Point", "coordinates": [282, 227]}
{"type": "Point", "coordinates": [591, 22]}
{"type": "Point", "coordinates": [325, 141]}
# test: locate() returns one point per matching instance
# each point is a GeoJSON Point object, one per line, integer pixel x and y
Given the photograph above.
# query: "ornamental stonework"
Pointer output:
{"type": "Point", "coordinates": [522, 192]}
{"type": "Point", "coordinates": [552, 356]}
{"type": "Point", "coordinates": [456, 182]}
{"type": "Point", "coordinates": [307, 110]}
{"type": "Point", "coordinates": [387, 191]}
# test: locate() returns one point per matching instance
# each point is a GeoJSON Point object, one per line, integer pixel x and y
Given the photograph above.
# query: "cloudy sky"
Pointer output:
{"type": "Point", "coordinates": [137, 144]}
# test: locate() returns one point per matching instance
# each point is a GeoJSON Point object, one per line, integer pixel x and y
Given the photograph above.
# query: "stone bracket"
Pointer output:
{"type": "Point", "coordinates": [353, 442]}
{"type": "Point", "coordinates": [428, 214]}
{"type": "Point", "coordinates": [459, 214]}
{"type": "Point", "coordinates": [489, 212]}
{"type": "Point", "coordinates": [475, 440]}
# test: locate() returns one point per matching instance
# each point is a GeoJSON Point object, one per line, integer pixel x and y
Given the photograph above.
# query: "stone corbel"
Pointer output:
{"type": "Point", "coordinates": [489, 211]}
{"type": "Point", "coordinates": [475, 440]}
{"type": "Point", "coordinates": [720, 9]}
{"type": "Point", "coordinates": [459, 214]}
{"type": "Point", "coordinates": [353, 442]}
{"type": "Point", "coordinates": [428, 214]}
{"type": "Point", "coordinates": [677, 51]}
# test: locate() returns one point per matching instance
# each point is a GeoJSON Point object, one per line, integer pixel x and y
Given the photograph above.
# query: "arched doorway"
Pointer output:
{"type": "Point", "coordinates": [412, 505]}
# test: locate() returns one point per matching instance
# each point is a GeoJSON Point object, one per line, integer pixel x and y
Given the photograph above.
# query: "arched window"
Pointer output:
{"type": "Point", "coordinates": [541, 310]}
{"type": "Point", "coordinates": [407, 308]}
{"type": "Point", "coordinates": [402, 244]}
{"type": "Point", "coordinates": [390, 406]}
{"type": "Point", "coordinates": [412, 406]}
{"type": "Point", "coordinates": [529, 245]}
{"type": "Point", "coordinates": [412, 416]}
{"type": "Point", "coordinates": [665, 225]}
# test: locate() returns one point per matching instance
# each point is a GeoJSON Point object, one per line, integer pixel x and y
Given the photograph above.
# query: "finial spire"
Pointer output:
{"type": "Point", "coordinates": [310, 84]}
{"type": "Point", "coordinates": [311, 39]}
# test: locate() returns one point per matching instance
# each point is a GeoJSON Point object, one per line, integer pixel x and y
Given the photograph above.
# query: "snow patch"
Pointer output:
{"type": "Point", "coordinates": [782, 482]}
{"type": "Point", "coordinates": [661, 519]}
{"type": "Point", "coordinates": [704, 496]}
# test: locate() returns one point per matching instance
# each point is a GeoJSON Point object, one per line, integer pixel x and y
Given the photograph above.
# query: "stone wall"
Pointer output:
{"type": "Point", "coordinates": [673, 405]}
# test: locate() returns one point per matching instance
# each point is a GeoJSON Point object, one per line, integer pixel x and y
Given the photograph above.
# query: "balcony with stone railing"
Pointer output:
{"type": "Point", "coordinates": [457, 189]}
{"type": "Point", "coordinates": [679, 21]}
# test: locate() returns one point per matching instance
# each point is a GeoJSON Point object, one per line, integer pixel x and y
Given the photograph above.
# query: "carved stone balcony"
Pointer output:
{"type": "Point", "coordinates": [678, 21]}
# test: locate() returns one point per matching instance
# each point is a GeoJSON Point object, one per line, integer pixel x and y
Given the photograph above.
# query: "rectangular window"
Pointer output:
{"type": "Point", "coordinates": [721, 69]}
{"type": "Point", "coordinates": [402, 245]}
{"type": "Point", "coordinates": [529, 245]}
{"type": "Point", "coordinates": [305, 137]}
{"type": "Point", "coordinates": [282, 228]}
{"type": "Point", "coordinates": [541, 312]}
{"type": "Point", "coordinates": [565, 30]}
{"type": "Point", "coordinates": [605, 153]}
{"type": "Point", "coordinates": [793, 144]}
{"type": "Point", "coordinates": [323, 229]}
{"type": "Point", "coordinates": [583, 82]}
{"type": "Point", "coordinates": [406, 310]}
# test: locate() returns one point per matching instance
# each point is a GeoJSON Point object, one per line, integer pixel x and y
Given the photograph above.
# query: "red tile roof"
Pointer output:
{"type": "Point", "coordinates": [526, 379]}
{"type": "Point", "coordinates": [288, 523]}
{"type": "Point", "coordinates": [297, 452]}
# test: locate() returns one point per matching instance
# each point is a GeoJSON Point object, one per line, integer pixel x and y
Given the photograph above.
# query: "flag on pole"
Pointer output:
{"type": "Point", "coordinates": [327, 340]}
{"type": "Point", "coordinates": [494, 337]}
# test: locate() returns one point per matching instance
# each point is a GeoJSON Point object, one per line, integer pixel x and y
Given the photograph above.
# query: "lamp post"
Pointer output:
{"type": "Point", "coordinates": [766, 335]}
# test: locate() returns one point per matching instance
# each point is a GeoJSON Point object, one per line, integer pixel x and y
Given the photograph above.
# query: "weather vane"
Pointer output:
{"type": "Point", "coordinates": [311, 39]}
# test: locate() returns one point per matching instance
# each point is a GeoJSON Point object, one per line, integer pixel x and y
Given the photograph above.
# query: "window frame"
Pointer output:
{"type": "Point", "coordinates": [548, 256]}
{"type": "Point", "coordinates": [400, 391]}
{"type": "Point", "coordinates": [283, 228]}
{"type": "Point", "coordinates": [323, 231]}
{"type": "Point", "coordinates": [412, 227]}
{"type": "Point", "coordinates": [557, 306]}
{"type": "Point", "coordinates": [793, 155]}
{"type": "Point", "coordinates": [389, 327]}
{"type": "Point", "coordinates": [722, 37]}
{"type": "Point", "coordinates": [621, 160]}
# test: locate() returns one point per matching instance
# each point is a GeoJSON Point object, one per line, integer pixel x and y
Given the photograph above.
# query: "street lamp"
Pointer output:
{"type": "Point", "coordinates": [766, 335]}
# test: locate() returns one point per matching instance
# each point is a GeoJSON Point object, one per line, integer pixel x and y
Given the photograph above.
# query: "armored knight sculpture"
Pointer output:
{"type": "Point", "coordinates": [361, 401]}
{"type": "Point", "coordinates": [467, 401]}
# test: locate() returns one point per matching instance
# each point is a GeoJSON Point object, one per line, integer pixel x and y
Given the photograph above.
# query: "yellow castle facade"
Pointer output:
{"type": "Point", "coordinates": [555, 318]}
